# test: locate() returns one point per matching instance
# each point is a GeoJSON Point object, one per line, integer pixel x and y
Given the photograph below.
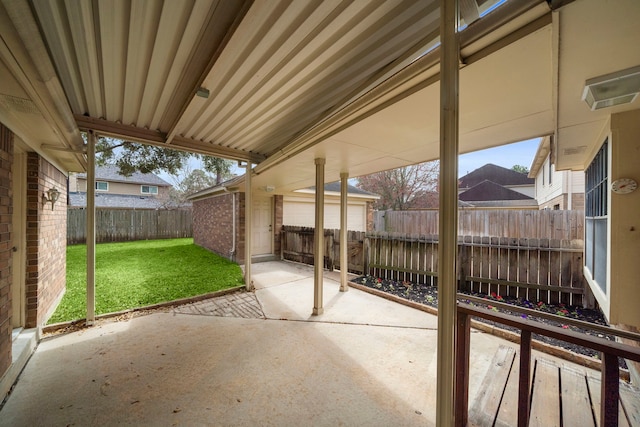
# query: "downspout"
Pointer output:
{"type": "Point", "coordinates": [232, 252]}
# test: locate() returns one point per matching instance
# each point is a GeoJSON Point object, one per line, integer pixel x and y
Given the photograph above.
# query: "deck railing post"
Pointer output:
{"type": "Point", "coordinates": [610, 390]}
{"type": "Point", "coordinates": [524, 381]}
{"type": "Point", "coordinates": [463, 342]}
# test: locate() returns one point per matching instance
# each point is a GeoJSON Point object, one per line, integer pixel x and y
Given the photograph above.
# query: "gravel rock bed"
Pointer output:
{"type": "Point", "coordinates": [428, 295]}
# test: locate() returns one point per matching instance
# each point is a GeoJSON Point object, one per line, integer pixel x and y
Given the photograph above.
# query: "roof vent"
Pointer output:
{"type": "Point", "coordinates": [621, 87]}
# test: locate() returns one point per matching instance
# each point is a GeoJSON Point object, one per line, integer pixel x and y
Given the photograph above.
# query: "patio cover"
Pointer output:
{"type": "Point", "coordinates": [280, 83]}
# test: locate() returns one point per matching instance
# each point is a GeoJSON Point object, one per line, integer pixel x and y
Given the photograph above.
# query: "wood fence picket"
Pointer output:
{"type": "Point", "coordinates": [540, 224]}
{"type": "Point", "coordinates": [120, 225]}
{"type": "Point", "coordinates": [548, 270]}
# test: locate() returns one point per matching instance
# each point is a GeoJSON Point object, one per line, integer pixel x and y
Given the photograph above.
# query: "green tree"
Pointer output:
{"type": "Point", "coordinates": [520, 168]}
{"type": "Point", "coordinates": [220, 168]}
{"type": "Point", "coordinates": [189, 184]}
{"type": "Point", "coordinates": [132, 156]}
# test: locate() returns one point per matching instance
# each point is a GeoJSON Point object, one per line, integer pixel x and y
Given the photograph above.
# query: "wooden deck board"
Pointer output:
{"type": "Point", "coordinates": [557, 391]}
{"type": "Point", "coordinates": [545, 402]}
{"type": "Point", "coordinates": [576, 405]}
{"type": "Point", "coordinates": [630, 397]}
{"type": "Point", "coordinates": [594, 390]}
{"type": "Point", "coordinates": [508, 413]}
{"type": "Point", "coordinates": [491, 392]}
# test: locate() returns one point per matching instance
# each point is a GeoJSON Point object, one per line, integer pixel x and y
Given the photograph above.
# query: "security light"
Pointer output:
{"type": "Point", "coordinates": [621, 87]}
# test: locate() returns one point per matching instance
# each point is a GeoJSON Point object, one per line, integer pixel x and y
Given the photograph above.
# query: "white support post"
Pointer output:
{"type": "Point", "coordinates": [448, 228]}
{"type": "Point", "coordinates": [91, 228]}
{"type": "Point", "coordinates": [318, 243]}
{"type": "Point", "coordinates": [344, 260]}
{"type": "Point", "coordinates": [248, 227]}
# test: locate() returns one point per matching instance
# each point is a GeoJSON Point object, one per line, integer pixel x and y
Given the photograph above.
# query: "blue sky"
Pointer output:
{"type": "Point", "coordinates": [519, 153]}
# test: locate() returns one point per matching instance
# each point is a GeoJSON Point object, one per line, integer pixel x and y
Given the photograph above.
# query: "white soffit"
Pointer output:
{"type": "Point", "coordinates": [596, 38]}
{"type": "Point", "coordinates": [504, 97]}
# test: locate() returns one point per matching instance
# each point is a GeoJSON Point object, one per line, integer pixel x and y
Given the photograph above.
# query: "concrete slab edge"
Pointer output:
{"type": "Point", "coordinates": [22, 349]}
{"type": "Point", "coordinates": [561, 353]}
{"type": "Point", "coordinates": [168, 304]}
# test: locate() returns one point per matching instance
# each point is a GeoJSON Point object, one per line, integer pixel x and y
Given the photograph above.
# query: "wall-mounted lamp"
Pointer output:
{"type": "Point", "coordinates": [50, 196]}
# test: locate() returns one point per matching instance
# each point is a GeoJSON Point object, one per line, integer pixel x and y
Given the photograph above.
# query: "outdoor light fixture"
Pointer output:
{"type": "Point", "coordinates": [621, 87]}
{"type": "Point", "coordinates": [269, 188]}
{"type": "Point", "coordinates": [51, 195]}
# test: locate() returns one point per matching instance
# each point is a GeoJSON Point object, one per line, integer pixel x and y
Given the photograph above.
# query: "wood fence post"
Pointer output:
{"type": "Point", "coordinates": [463, 264]}
{"type": "Point", "coordinates": [282, 243]}
{"type": "Point", "coordinates": [365, 256]}
{"type": "Point", "coordinates": [463, 343]}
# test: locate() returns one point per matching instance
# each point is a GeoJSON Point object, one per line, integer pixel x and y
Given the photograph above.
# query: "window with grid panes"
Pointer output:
{"type": "Point", "coordinates": [596, 216]}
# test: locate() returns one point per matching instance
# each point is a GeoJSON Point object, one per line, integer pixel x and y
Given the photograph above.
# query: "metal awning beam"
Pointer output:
{"type": "Point", "coordinates": [159, 139]}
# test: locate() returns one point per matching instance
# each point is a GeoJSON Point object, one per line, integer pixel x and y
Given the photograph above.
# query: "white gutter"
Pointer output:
{"type": "Point", "coordinates": [233, 221]}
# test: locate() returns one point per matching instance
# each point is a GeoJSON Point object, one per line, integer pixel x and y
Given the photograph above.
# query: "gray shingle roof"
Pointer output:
{"type": "Point", "coordinates": [111, 173]}
{"type": "Point", "coordinates": [490, 191]}
{"type": "Point", "coordinates": [497, 174]}
{"type": "Point", "coordinates": [79, 200]}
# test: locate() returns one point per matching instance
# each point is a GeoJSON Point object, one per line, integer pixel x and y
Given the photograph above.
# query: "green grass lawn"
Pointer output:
{"type": "Point", "coordinates": [135, 274]}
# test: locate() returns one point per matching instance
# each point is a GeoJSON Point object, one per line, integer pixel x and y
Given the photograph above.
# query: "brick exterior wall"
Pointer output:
{"type": "Point", "coordinates": [370, 216]}
{"type": "Point", "coordinates": [213, 227]}
{"type": "Point", "coordinates": [577, 202]}
{"type": "Point", "coordinates": [6, 255]}
{"type": "Point", "coordinates": [240, 229]}
{"type": "Point", "coordinates": [213, 224]}
{"type": "Point", "coordinates": [46, 241]}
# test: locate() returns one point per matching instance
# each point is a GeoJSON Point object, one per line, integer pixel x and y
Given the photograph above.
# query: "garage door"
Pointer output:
{"type": "Point", "coordinates": [302, 213]}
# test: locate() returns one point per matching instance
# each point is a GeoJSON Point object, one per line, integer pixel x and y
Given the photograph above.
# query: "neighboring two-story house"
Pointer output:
{"type": "Point", "coordinates": [492, 186]}
{"type": "Point", "coordinates": [113, 190]}
{"type": "Point", "coordinates": [554, 189]}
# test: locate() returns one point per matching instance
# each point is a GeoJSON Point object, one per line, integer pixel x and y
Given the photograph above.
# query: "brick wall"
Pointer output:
{"type": "Point", "coordinates": [370, 221]}
{"type": "Point", "coordinates": [6, 206]}
{"type": "Point", "coordinates": [213, 227]}
{"type": "Point", "coordinates": [46, 240]}
{"type": "Point", "coordinates": [577, 201]}
{"type": "Point", "coordinates": [240, 229]}
{"type": "Point", "coordinates": [213, 224]}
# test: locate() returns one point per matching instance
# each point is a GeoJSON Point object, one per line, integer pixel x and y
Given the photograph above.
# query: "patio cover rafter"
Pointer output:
{"type": "Point", "coordinates": [157, 138]}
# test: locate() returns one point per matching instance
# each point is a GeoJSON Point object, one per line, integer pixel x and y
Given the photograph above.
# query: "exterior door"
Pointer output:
{"type": "Point", "coordinates": [262, 242]}
{"type": "Point", "coordinates": [19, 243]}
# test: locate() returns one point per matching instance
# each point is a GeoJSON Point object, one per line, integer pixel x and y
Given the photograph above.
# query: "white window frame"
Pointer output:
{"type": "Point", "coordinates": [102, 189]}
{"type": "Point", "coordinates": [150, 189]}
{"type": "Point", "coordinates": [596, 217]}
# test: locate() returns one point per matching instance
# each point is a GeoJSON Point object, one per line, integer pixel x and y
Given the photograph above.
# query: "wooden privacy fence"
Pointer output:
{"type": "Point", "coordinates": [120, 225]}
{"type": "Point", "coordinates": [297, 245]}
{"type": "Point", "coordinates": [548, 270]}
{"type": "Point", "coordinates": [545, 224]}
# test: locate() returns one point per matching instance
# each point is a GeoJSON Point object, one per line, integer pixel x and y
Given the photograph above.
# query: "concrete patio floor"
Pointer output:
{"type": "Point", "coordinates": [365, 361]}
